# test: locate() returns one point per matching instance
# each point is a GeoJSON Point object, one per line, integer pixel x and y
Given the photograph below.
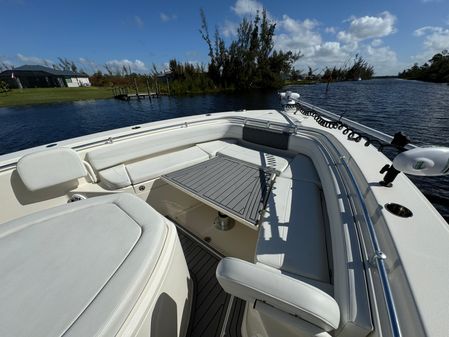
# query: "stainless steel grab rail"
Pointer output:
{"type": "Point", "coordinates": [378, 258]}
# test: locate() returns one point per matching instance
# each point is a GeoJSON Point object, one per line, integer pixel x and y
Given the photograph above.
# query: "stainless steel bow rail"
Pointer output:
{"type": "Point", "coordinates": [350, 123]}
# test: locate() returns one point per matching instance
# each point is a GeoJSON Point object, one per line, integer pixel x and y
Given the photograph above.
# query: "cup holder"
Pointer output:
{"type": "Point", "coordinates": [399, 210]}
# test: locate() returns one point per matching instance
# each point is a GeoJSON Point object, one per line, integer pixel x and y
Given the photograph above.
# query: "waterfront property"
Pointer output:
{"type": "Point", "coordinates": [35, 76]}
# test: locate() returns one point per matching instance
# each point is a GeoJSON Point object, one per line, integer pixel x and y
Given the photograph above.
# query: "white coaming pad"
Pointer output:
{"type": "Point", "coordinates": [115, 177]}
{"type": "Point", "coordinates": [72, 268]}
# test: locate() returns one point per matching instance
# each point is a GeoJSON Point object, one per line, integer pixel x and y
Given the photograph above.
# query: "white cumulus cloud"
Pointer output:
{"type": "Point", "coordinates": [229, 28]}
{"type": "Point", "coordinates": [247, 7]}
{"type": "Point", "coordinates": [297, 35]}
{"type": "Point", "coordinates": [336, 47]}
{"type": "Point", "coordinates": [368, 27]}
{"type": "Point", "coordinates": [136, 66]}
{"type": "Point", "coordinates": [383, 58]}
{"type": "Point", "coordinates": [304, 36]}
{"type": "Point", "coordinates": [167, 17]}
{"type": "Point", "coordinates": [5, 62]}
{"type": "Point", "coordinates": [376, 42]}
{"type": "Point", "coordinates": [436, 39]}
{"type": "Point", "coordinates": [34, 60]}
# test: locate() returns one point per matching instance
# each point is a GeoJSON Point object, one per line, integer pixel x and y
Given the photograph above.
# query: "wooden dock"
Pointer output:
{"type": "Point", "coordinates": [124, 94]}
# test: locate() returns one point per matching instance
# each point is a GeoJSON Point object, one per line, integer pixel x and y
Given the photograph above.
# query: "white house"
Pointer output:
{"type": "Point", "coordinates": [77, 81]}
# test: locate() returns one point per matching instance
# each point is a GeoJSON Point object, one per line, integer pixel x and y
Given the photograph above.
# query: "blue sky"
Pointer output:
{"type": "Point", "coordinates": [391, 35]}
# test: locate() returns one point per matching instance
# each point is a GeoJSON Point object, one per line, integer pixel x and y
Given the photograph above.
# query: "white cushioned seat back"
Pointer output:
{"type": "Point", "coordinates": [292, 234]}
{"type": "Point", "coordinates": [252, 282]}
{"type": "Point", "coordinates": [155, 167]}
{"type": "Point", "coordinates": [258, 158]}
{"type": "Point", "coordinates": [124, 151]}
{"type": "Point", "coordinates": [51, 167]}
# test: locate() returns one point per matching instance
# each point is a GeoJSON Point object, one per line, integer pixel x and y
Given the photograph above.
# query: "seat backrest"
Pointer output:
{"type": "Point", "coordinates": [252, 283]}
{"type": "Point", "coordinates": [146, 146]}
{"type": "Point", "coordinates": [48, 168]}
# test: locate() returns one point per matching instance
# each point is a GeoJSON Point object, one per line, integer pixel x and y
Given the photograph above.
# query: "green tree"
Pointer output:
{"type": "Point", "coordinates": [250, 60]}
{"type": "Point", "coordinates": [435, 70]}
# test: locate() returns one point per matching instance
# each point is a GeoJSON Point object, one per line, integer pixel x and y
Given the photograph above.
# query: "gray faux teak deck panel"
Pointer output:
{"type": "Point", "coordinates": [210, 302]}
{"type": "Point", "coordinates": [233, 185]}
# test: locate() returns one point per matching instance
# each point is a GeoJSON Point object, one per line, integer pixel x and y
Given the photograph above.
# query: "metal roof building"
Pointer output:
{"type": "Point", "coordinates": [36, 76]}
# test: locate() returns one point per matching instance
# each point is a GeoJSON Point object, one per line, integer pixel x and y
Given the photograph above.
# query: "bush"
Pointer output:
{"type": "Point", "coordinates": [4, 88]}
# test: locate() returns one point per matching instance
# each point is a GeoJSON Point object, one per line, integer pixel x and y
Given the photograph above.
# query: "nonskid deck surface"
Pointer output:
{"type": "Point", "coordinates": [233, 185]}
{"type": "Point", "coordinates": [214, 312]}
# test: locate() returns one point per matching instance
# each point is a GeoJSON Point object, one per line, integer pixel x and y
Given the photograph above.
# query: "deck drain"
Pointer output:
{"type": "Point", "coordinates": [399, 210]}
{"type": "Point", "coordinates": [207, 239]}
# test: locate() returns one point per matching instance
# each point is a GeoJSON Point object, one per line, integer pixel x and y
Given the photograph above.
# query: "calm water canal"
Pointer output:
{"type": "Point", "coordinates": [419, 109]}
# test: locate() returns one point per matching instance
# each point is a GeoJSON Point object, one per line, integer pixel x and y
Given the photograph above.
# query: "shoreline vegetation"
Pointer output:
{"type": "Point", "coordinates": [434, 70]}
{"type": "Point", "coordinates": [249, 61]}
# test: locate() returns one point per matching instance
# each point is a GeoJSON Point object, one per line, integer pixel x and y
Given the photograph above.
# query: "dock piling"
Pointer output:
{"type": "Point", "coordinates": [148, 88]}
{"type": "Point", "coordinates": [124, 94]}
{"type": "Point", "coordinates": [136, 89]}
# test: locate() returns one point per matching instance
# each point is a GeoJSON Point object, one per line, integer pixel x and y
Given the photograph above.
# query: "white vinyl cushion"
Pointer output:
{"type": "Point", "coordinates": [302, 168]}
{"type": "Point", "coordinates": [257, 158]}
{"type": "Point", "coordinates": [291, 235]}
{"type": "Point", "coordinates": [115, 177]}
{"type": "Point", "coordinates": [252, 282]}
{"type": "Point", "coordinates": [155, 167]}
{"type": "Point", "coordinates": [51, 167]}
{"type": "Point", "coordinates": [213, 147]}
{"type": "Point", "coordinates": [78, 267]}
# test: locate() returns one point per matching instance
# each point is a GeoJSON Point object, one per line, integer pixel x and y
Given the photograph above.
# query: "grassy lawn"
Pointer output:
{"type": "Point", "coordinates": [52, 95]}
